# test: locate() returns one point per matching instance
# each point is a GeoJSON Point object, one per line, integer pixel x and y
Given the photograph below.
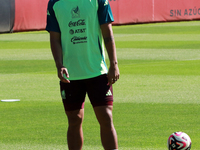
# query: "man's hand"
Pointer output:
{"type": "Point", "coordinates": [61, 72]}
{"type": "Point", "coordinates": [113, 74]}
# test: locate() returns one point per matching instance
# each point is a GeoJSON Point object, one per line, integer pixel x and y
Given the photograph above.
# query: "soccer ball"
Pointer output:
{"type": "Point", "coordinates": [179, 141]}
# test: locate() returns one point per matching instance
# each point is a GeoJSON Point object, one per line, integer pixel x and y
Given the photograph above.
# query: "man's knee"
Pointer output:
{"type": "Point", "coordinates": [104, 116]}
{"type": "Point", "coordinates": [75, 118]}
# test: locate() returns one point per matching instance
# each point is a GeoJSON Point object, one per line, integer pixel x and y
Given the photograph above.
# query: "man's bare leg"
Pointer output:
{"type": "Point", "coordinates": [75, 133]}
{"type": "Point", "coordinates": [107, 130]}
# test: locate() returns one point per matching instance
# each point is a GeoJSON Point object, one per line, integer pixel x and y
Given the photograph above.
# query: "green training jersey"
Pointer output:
{"type": "Point", "coordinates": [79, 22]}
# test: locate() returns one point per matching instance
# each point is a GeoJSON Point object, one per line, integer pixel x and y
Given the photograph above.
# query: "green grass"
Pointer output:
{"type": "Point", "coordinates": [158, 44]}
{"type": "Point", "coordinates": [158, 92]}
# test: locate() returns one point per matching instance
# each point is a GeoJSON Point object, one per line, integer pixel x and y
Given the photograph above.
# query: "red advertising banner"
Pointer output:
{"type": "Point", "coordinates": [30, 15]}
{"type": "Point", "coordinates": [141, 11]}
{"type": "Point", "coordinates": [172, 10]}
{"type": "Point", "coordinates": [131, 11]}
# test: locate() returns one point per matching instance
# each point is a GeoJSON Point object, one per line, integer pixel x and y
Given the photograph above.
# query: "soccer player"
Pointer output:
{"type": "Point", "coordinates": [78, 31]}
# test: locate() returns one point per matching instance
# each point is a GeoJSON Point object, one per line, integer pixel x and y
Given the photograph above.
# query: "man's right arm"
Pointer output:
{"type": "Point", "coordinates": [56, 49]}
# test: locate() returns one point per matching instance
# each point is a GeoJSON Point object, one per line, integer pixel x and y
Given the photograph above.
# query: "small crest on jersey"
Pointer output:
{"type": "Point", "coordinates": [63, 94]}
{"type": "Point", "coordinates": [75, 12]}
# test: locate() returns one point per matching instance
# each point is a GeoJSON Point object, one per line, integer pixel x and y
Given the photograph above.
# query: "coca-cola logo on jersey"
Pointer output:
{"type": "Point", "coordinates": [80, 22]}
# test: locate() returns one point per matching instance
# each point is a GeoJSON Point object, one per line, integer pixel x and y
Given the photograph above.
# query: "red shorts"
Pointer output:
{"type": "Point", "coordinates": [97, 88]}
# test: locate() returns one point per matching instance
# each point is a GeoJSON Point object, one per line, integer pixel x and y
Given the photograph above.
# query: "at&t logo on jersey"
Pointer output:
{"type": "Point", "coordinates": [77, 31]}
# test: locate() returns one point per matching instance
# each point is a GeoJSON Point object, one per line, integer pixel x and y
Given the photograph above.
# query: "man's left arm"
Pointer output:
{"type": "Point", "coordinates": [113, 72]}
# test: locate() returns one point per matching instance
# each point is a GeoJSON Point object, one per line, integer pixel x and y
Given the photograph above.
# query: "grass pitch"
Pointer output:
{"type": "Point", "coordinates": [158, 92]}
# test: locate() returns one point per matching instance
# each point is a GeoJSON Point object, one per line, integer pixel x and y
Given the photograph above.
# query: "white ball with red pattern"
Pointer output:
{"type": "Point", "coordinates": [179, 141]}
